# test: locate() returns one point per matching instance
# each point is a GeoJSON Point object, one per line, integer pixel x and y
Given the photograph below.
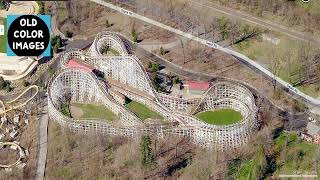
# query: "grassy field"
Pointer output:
{"type": "Point", "coordinates": [287, 51]}
{"type": "Point", "coordinates": [311, 7]}
{"type": "Point", "coordinates": [290, 155]}
{"type": "Point", "coordinates": [65, 110]}
{"type": "Point", "coordinates": [310, 89]}
{"type": "Point", "coordinates": [220, 116]}
{"type": "Point", "coordinates": [142, 111]}
{"type": "Point", "coordinates": [95, 111]}
{"type": "Point", "coordinates": [251, 168]}
{"type": "Point", "coordinates": [296, 156]}
{"type": "Point", "coordinates": [3, 39]}
{"type": "Point", "coordinates": [113, 52]}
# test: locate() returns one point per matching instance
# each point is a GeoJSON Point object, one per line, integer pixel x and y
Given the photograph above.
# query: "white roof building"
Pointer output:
{"type": "Point", "coordinates": [313, 129]}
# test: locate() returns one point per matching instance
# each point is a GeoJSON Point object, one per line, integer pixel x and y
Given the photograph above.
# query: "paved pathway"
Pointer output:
{"type": "Point", "coordinates": [242, 58]}
{"type": "Point", "coordinates": [157, 46]}
{"type": "Point", "coordinates": [43, 142]}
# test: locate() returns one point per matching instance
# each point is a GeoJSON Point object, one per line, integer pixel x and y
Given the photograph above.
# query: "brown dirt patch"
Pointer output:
{"type": "Point", "coordinates": [76, 112]}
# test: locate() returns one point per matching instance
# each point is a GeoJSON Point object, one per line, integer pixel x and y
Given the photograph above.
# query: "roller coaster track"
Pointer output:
{"type": "Point", "coordinates": [20, 153]}
{"type": "Point", "coordinates": [126, 75]}
{"type": "Point", "coordinates": [241, 57]}
{"type": "Point", "coordinates": [11, 102]}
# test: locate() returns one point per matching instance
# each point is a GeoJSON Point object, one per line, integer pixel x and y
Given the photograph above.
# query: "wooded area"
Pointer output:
{"type": "Point", "coordinates": [293, 12]}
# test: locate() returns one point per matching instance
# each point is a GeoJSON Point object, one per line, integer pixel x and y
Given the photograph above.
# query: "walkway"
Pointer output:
{"type": "Point", "coordinates": [156, 46]}
{"type": "Point", "coordinates": [242, 58]}
{"type": "Point", "coordinates": [43, 142]}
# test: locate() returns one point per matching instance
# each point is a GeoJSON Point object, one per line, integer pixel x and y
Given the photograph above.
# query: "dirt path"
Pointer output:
{"type": "Point", "coordinates": [76, 112]}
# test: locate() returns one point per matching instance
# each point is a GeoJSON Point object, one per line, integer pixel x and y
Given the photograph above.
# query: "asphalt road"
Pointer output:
{"type": "Point", "coordinates": [81, 44]}
{"type": "Point", "coordinates": [291, 121]}
{"type": "Point", "coordinates": [242, 58]}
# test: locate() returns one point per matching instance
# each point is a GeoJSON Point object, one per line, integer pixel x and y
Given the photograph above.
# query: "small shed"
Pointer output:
{"type": "Point", "coordinates": [196, 87]}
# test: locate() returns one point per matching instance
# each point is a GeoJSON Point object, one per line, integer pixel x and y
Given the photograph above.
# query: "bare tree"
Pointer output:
{"type": "Point", "coordinates": [234, 31]}
{"type": "Point", "coordinates": [275, 66]}
{"type": "Point", "coordinates": [184, 55]}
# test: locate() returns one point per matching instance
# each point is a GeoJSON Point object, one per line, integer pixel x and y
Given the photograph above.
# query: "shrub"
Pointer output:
{"type": "Point", "coordinates": [41, 7]}
{"type": "Point", "coordinates": [176, 80]}
{"type": "Point", "coordinates": [40, 83]}
{"type": "Point", "coordinates": [299, 106]}
{"type": "Point", "coordinates": [3, 84]}
{"type": "Point", "coordinates": [69, 34]}
{"type": "Point", "coordinates": [2, 4]}
{"type": "Point", "coordinates": [134, 34]}
{"type": "Point", "coordinates": [25, 83]}
{"type": "Point", "coordinates": [65, 110]}
{"type": "Point", "coordinates": [146, 151]}
{"type": "Point", "coordinates": [155, 67]}
{"type": "Point", "coordinates": [162, 51]}
{"type": "Point", "coordinates": [56, 48]}
{"type": "Point", "coordinates": [56, 40]}
{"type": "Point", "coordinates": [108, 24]}
{"type": "Point", "coordinates": [9, 88]}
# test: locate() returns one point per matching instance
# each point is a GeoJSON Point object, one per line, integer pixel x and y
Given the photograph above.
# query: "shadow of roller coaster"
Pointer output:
{"type": "Point", "coordinates": [126, 75]}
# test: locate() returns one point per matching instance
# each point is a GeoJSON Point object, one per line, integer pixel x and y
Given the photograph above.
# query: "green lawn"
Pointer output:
{"type": "Point", "coordinates": [251, 169]}
{"type": "Point", "coordinates": [110, 51]}
{"type": "Point", "coordinates": [3, 39]}
{"type": "Point", "coordinates": [287, 51]}
{"type": "Point", "coordinates": [95, 111]}
{"type": "Point", "coordinates": [296, 156]}
{"type": "Point", "coordinates": [65, 110]}
{"type": "Point", "coordinates": [113, 52]}
{"type": "Point", "coordinates": [311, 7]}
{"type": "Point", "coordinates": [290, 155]}
{"type": "Point", "coordinates": [220, 116]}
{"type": "Point", "coordinates": [142, 111]}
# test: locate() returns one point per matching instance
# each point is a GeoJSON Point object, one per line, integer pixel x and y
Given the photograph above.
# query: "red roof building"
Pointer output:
{"type": "Point", "coordinates": [76, 63]}
{"type": "Point", "coordinates": [197, 85]}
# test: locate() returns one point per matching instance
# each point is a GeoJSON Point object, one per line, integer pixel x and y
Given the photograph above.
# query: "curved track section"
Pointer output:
{"type": "Point", "coordinates": [124, 69]}
{"type": "Point", "coordinates": [19, 150]}
{"type": "Point", "coordinates": [126, 75]}
{"type": "Point", "coordinates": [77, 86]}
{"type": "Point", "coordinates": [107, 39]}
{"type": "Point", "coordinates": [7, 106]}
{"type": "Point", "coordinates": [11, 104]}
